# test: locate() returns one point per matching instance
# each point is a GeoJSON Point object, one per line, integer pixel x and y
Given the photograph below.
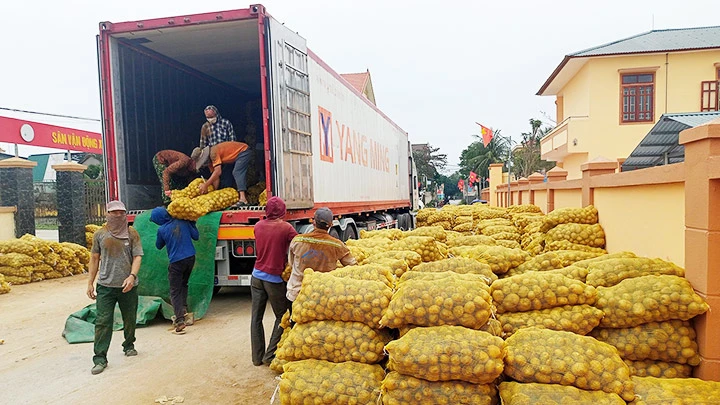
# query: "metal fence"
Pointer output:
{"type": "Point", "coordinates": [46, 203]}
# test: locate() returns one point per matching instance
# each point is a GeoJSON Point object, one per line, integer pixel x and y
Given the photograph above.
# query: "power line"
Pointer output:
{"type": "Point", "coordinates": [50, 115]}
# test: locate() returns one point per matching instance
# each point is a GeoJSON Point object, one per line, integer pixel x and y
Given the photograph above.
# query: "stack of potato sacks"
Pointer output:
{"type": "Point", "coordinates": [31, 259]}
{"type": "Point", "coordinates": [188, 204]}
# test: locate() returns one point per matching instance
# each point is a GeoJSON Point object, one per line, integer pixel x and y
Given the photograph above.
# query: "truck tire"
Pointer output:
{"type": "Point", "coordinates": [349, 233]}
{"type": "Point", "coordinates": [404, 222]}
{"type": "Point", "coordinates": [333, 231]}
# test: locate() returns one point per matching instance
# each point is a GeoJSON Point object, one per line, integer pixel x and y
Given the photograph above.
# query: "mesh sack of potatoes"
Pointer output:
{"type": "Point", "coordinates": [558, 357]}
{"type": "Point", "coordinates": [445, 225]}
{"type": "Point", "coordinates": [487, 223]}
{"type": "Point", "coordinates": [392, 234]}
{"type": "Point", "coordinates": [471, 240]}
{"type": "Point", "coordinates": [566, 245]}
{"type": "Point", "coordinates": [580, 319]}
{"type": "Point", "coordinates": [335, 341]}
{"type": "Point", "coordinates": [457, 299]}
{"type": "Point", "coordinates": [587, 215]}
{"type": "Point", "coordinates": [524, 208]}
{"type": "Point", "coordinates": [675, 391]}
{"type": "Point", "coordinates": [42, 246]}
{"type": "Point", "coordinates": [465, 228]}
{"type": "Point", "coordinates": [191, 191]}
{"type": "Point", "coordinates": [370, 272]}
{"type": "Point", "coordinates": [607, 273]}
{"type": "Point", "coordinates": [537, 290]}
{"type": "Point", "coordinates": [42, 268]}
{"type": "Point", "coordinates": [572, 271]}
{"type": "Point", "coordinates": [262, 198]}
{"type": "Point", "coordinates": [502, 259]}
{"type": "Point", "coordinates": [64, 253]}
{"type": "Point", "coordinates": [463, 219]}
{"type": "Point", "coordinates": [423, 215]}
{"type": "Point", "coordinates": [440, 216]}
{"type": "Point", "coordinates": [326, 297]}
{"type": "Point", "coordinates": [618, 255]}
{"type": "Point", "coordinates": [460, 265]}
{"type": "Point", "coordinates": [80, 252]}
{"type": "Point", "coordinates": [645, 299]}
{"type": "Point", "coordinates": [378, 243]}
{"type": "Point", "coordinates": [445, 353]}
{"type": "Point", "coordinates": [186, 208]}
{"type": "Point", "coordinates": [360, 253]}
{"type": "Point", "coordinates": [51, 258]}
{"type": "Point", "coordinates": [53, 274]}
{"type": "Point", "coordinates": [276, 364]}
{"type": "Point", "coordinates": [325, 383]}
{"type": "Point", "coordinates": [92, 228]}
{"type": "Point", "coordinates": [398, 267]}
{"type": "Point", "coordinates": [490, 213]}
{"type": "Point", "coordinates": [672, 341]}
{"type": "Point", "coordinates": [18, 246]}
{"type": "Point", "coordinates": [515, 393]}
{"type": "Point", "coordinates": [17, 280]}
{"type": "Point", "coordinates": [16, 260]}
{"type": "Point", "coordinates": [4, 286]}
{"type": "Point", "coordinates": [398, 389]}
{"type": "Point", "coordinates": [492, 327]}
{"type": "Point", "coordinates": [449, 235]}
{"type": "Point", "coordinates": [218, 200]}
{"type": "Point", "coordinates": [37, 277]}
{"type": "Point", "coordinates": [515, 237]}
{"type": "Point", "coordinates": [658, 369]}
{"type": "Point", "coordinates": [436, 232]}
{"type": "Point", "coordinates": [554, 260]}
{"type": "Point", "coordinates": [495, 229]}
{"type": "Point", "coordinates": [411, 258]}
{"type": "Point", "coordinates": [510, 244]}
{"type": "Point", "coordinates": [75, 267]}
{"type": "Point", "coordinates": [581, 234]}
{"type": "Point", "coordinates": [438, 276]}
{"type": "Point", "coordinates": [425, 246]}
{"type": "Point", "coordinates": [88, 239]}
{"type": "Point", "coordinates": [523, 220]}
{"type": "Point", "coordinates": [536, 245]}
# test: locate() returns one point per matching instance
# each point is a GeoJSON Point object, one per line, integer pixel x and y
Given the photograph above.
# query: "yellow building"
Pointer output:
{"type": "Point", "coordinates": [610, 96]}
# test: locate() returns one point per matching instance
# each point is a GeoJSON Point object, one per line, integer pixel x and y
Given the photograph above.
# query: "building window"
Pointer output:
{"type": "Point", "coordinates": [710, 94]}
{"type": "Point", "coordinates": [638, 91]}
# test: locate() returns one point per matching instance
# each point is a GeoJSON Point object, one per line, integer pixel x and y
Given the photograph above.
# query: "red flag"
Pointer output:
{"type": "Point", "coordinates": [472, 178]}
{"type": "Point", "coordinates": [486, 133]}
{"type": "Point", "coordinates": [461, 184]}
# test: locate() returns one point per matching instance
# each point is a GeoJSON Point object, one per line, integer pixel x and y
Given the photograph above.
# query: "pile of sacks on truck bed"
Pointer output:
{"type": "Point", "coordinates": [480, 305]}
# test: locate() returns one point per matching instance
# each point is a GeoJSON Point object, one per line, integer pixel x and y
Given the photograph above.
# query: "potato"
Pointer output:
{"type": "Point", "coordinates": [398, 389]}
{"type": "Point", "coordinates": [537, 290]}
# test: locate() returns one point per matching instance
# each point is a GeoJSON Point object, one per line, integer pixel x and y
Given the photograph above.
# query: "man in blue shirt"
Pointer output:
{"type": "Point", "coordinates": [177, 235]}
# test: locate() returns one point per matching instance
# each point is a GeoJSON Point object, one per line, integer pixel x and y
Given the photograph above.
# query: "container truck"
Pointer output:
{"type": "Point", "coordinates": [317, 140]}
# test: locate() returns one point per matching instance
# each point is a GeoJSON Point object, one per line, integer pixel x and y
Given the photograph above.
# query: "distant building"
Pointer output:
{"type": "Point", "coordinates": [44, 172]}
{"type": "Point", "coordinates": [362, 83]}
{"type": "Point", "coordinates": [610, 96]}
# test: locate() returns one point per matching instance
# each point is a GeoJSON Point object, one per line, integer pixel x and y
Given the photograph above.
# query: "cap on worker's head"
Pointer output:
{"type": "Point", "coordinates": [213, 108]}
{"type": "Point", "coordinates": [115, 205]}
{"type": "Point", "coordinates": [200, 156]}
{"type": "Point", "coordinates": [323, 217]}
{"type": "Point", "coordinates": [275, 208]}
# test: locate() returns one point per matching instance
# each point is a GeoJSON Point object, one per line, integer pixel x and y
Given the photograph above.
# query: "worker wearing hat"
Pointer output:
{"type": "Point", "coordinates": [317, 250]}
{"type": "Point", "coordinates": [115, 259]}
{"type": "Point", "coordinates": [228, 161]}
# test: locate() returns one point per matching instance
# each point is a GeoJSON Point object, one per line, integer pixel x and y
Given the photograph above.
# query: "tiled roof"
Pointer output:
{"type": "Point", "coordinates": [357, 80]}
{"type": "Point", "coordinates": [659, 41]}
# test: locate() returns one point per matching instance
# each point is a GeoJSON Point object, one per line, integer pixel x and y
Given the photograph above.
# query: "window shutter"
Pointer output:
{"type": "Point", "coordinates": [709, 95]}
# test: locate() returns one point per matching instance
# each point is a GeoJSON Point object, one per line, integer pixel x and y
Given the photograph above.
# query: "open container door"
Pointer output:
{"type": "Point", "coordinates": [290, 115]}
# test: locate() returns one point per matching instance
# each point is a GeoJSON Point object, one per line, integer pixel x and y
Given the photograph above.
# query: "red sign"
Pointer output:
{"type": "Point", "coordinates": [23, 132]}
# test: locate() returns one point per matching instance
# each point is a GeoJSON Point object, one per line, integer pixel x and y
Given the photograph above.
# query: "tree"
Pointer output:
{"type": "Point", "coordinates": [450, 182]}
{"type": "Point", "coordinates": [428, 161]}
{"type": "Point", "coordinates": [478, 157]}
{"type": "Point", "coordinates": [93, 172]}
{"type": "Point", "coordinates": [526, 157]}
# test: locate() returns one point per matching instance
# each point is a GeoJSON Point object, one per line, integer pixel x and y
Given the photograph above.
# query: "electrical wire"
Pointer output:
{"type": "Point", "coordinates": [49, 115]}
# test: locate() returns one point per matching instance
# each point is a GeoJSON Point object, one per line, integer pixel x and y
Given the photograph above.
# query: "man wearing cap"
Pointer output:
{"type": "Point", "coordinates": [174, 169]}
{"type": "Point", "coordinates": [115, 260]}
{"type": "Point", "coordinates": [272, 240]}
{"type": "Point", "coordinates": [216, 130]}
{"type": "Point", "coordinates": [227, 161]}
{"type": "Point", "coordinates": [316, 250]}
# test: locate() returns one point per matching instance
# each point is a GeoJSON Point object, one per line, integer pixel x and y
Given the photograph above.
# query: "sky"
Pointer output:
{"type": "Point", "coordinates": [437, 67]}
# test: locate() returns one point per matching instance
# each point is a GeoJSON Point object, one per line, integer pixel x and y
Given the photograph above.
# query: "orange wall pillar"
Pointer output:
{"type": "Point", "coordinates": [594, 168]}
{"type": "Point", "coordinates": [533, 179]}
{"type": "Point", "coordinates": [496, 178]}
{"type": "Point", "coordinates": [702, 238]}
{"type": "Point", "coordinates": [554, 174]}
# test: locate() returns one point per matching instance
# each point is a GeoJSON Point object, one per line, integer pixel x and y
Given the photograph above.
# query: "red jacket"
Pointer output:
{"type": "Point", "coordinates": [272, 240]}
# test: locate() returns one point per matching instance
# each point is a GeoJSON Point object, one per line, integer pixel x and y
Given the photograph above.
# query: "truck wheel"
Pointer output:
{"type": "Point", "coordinates": [334, 232]}
{"type": "Point", "coordinates": [349, 233]}
{"type": "Point", "coordinates": [404, 222]}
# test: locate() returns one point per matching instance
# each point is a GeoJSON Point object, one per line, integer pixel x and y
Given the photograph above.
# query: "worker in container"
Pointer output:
{"type": "Point", "coordinates": [175, 170]}
{"type": "Point", "coordinates": [272, 240]}
{"type": "Point", "coordinates": [228, 161]}
{"type": "Point", "coordinates": [317, 250]}
{"type": "Point", "coordinates": [216, 130]}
